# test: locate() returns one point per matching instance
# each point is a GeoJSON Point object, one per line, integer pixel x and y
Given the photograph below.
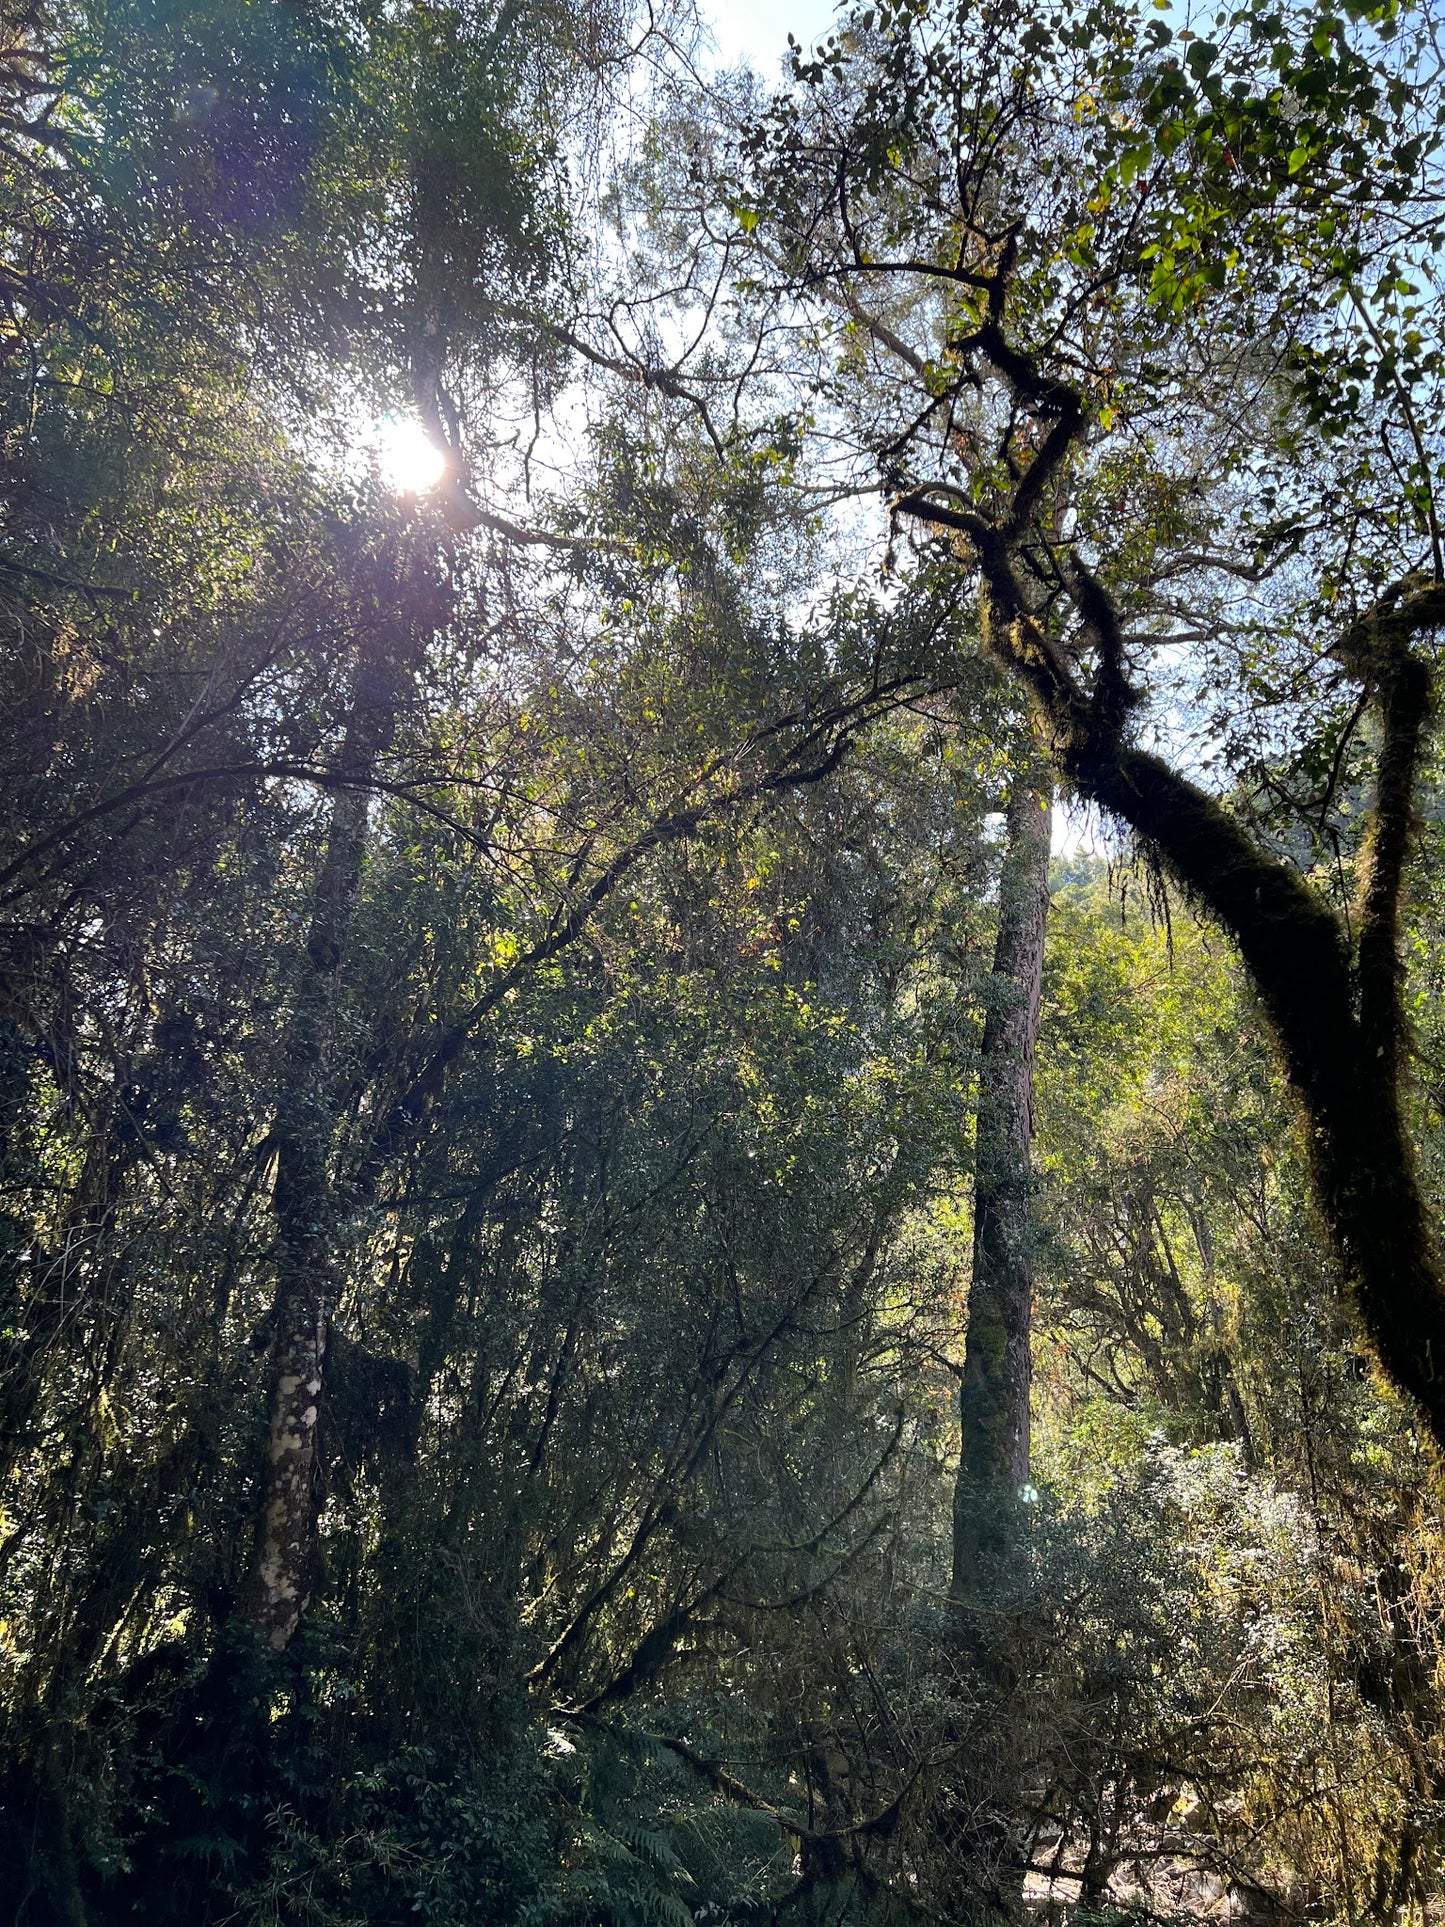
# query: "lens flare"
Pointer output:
{"type": "Point", "coordinates": [409, 460]}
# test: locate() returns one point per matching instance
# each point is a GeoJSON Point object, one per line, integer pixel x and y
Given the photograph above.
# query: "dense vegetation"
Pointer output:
{"type": "Point", "coordinates": [722, 1121]}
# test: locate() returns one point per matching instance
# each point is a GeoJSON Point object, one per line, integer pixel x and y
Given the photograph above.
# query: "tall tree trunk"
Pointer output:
{"type": "Point", "coordinates": [307, 1215]}
{"type": "Point", "coordinates": [993, 1463]}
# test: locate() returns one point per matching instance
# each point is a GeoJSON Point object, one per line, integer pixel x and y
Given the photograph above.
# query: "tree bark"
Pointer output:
{"type": "Point", "coordinates": [306, 1210]}
{"type": "Point", "coordinates": [993, 1462]}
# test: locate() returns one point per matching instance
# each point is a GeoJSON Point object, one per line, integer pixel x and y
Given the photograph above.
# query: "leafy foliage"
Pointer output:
{"type": "Point", "coordinates": [529, 943]}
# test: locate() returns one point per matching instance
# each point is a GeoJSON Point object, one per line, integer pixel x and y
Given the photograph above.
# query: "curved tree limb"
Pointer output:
{"type": "Point", "coordinates": [1331, 995]}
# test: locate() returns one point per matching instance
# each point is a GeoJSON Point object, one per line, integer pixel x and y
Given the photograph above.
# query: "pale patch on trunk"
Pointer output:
{"type": "Point", "coordinates": [280, 1579]}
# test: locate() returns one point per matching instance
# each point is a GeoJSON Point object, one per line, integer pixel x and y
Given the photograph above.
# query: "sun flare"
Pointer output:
{"type": "Point", "coordinates": [409, 460]}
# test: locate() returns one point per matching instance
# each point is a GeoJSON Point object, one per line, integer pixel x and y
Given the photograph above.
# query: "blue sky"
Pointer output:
{"type": "Point", "coordinates": [757, 30]}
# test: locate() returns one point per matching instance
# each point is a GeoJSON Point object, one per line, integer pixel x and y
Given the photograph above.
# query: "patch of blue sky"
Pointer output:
{"type": "Point", "coordinates": [755, 32]}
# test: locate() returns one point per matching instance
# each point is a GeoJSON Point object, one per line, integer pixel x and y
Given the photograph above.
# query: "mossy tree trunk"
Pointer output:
{"type": "Point", "coordinates": [993, 1465]}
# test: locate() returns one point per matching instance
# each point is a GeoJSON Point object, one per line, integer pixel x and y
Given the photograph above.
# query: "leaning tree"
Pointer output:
{"type": "Point", "coordinates": [1132, 317]}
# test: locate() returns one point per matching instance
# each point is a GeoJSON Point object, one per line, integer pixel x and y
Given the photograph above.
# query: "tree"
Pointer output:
{"type": "Point", "coordinates": [501, 1077]}
{"type": "Point", "coordinates": [1063, 286]}
{"type": "Point", "coordinates": [993, 1464]}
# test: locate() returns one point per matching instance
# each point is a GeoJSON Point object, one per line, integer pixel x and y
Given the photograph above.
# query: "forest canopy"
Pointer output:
{"type": "Point", "coordinates": [722, 912]}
